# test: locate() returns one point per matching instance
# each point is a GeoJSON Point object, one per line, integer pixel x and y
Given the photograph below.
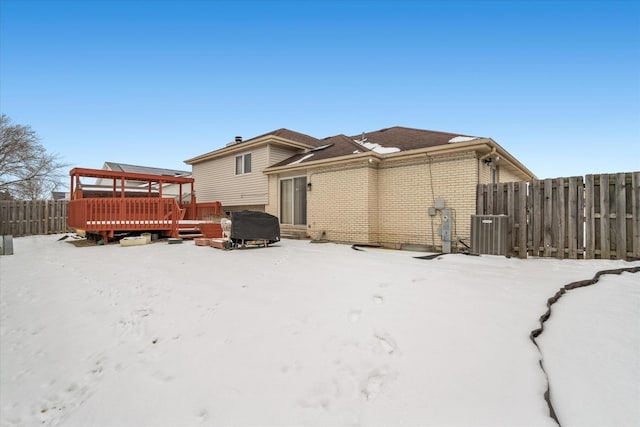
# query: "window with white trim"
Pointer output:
{"type": "Point", "coordinates": [293, 201]}
{"type": "Point", "coordinates": [243, 164]}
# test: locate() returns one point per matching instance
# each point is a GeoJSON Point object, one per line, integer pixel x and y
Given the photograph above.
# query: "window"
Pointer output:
{"type": "Point", "coordinates": [293, 201]}
{"type": "Point", "coordinates": [243, 164]}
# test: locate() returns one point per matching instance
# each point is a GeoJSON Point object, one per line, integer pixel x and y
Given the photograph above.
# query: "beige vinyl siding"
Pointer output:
{"type": "Point", "coordinates": [272, 205]}
{"type": "Point", "coordinates": [278, 154]}
{"type": "Point", "coordinates": [216, 179]}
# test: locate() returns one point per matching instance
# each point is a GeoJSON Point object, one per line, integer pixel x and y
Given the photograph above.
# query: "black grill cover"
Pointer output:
{"type": "Point", "coordinates": [253, 225]}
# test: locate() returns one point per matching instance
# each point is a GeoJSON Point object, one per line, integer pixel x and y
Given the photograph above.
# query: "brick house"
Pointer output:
{"type": "Point", "coordinates": [373, 188]}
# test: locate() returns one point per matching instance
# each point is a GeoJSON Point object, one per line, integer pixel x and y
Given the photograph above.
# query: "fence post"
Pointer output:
{"type": "Point", "coordinates": [46, 217]}
{"type": "Point", "coordinates": [590, 194]}
{"type": "Point", "coordinates": [605, 228]}
{"type": "Point", "coordinates": [511, 212]}
{"type": "Point", "coordinates": [522, 219]}
{"type": "Point", "coordinates": [580, 216]}
{"type": "Point", "coordinates": [635, 213]}
{"type": "Point", "coordinates": [480, 199]}
{"type": "Point", "coordinates": [621, 217]}
{"type": "Point", "coordinates": [560, 218]}
{"type": "Point", "coordinates": [573, 218]}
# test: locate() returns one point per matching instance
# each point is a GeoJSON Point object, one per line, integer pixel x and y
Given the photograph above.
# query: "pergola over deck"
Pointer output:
{"type": "Point", "coordinates": [122, 178]}
{"type": "Point", "coordinates": [105, 210]}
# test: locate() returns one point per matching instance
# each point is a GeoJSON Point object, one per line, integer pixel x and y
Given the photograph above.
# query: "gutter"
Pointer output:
{"type": "Point", "coordinates": [487, 145]}
{"type": "Point", "coordinates": [489, 154]}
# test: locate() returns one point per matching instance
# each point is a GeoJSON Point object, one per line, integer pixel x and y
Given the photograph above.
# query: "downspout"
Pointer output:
{"type": "Point", "coordinates": [489, 154]}
{"type": "Point", "coordinates": [481, 159]}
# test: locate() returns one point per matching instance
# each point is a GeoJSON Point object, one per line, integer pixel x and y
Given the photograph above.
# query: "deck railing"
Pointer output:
{"type": "Point", "coordinates": [209, 211]}
{"type": "Point", "coordinates": [108, 215]}
{"type": "Point", "coordinates": [105, 216]}
{"type": "Point", "coordinates": [204, 211]}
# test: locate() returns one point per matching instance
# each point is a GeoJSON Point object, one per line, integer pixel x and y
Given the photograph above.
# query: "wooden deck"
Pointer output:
{"type": "Point", "coordinates": [119, 208]}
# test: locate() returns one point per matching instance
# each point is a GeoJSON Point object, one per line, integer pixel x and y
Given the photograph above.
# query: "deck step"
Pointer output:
{"type": "Point", "coordinates": [190, 235]}
{"type": "Point", "coordinates": [188, 229]}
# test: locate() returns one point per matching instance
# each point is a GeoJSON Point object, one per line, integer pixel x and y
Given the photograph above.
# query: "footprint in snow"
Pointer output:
{"type": "Point", "coordinates": [386, 342]}
{"type": "Point", "coordinates": [372, 385]}
{"type": "Point", "coordinates": [354, 315]}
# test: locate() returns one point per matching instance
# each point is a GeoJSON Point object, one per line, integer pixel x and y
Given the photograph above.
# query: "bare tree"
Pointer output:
{"type": "Point", "coordinates": [27, 171]}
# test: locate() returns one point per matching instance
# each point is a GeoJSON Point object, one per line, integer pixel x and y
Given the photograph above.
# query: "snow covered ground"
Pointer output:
{"type": "Point", "coordinates": [303, 334]}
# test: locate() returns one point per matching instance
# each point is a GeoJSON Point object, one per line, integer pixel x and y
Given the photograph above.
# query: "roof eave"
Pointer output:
{"type": "Point", "coordinates": [483, 146]}
{"type": "Point", "coordinates": [408, 154]}
{"type": "Point", "coordinates": [244, 146]}
{"type": "Point", "coordinates": [515, 165]}
{"type": "Point", "coordinates": [375, 157]}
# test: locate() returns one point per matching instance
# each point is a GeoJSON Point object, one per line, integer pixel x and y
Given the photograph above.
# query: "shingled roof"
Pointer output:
{"type": "Point", "coordinates": [291, 136]}
{"type": "Point", "coordinates": [334, 146]}
{"type": "Point", "coordinates": [383, 141]}
{"type": "Point", "coordinates": [405, 139]}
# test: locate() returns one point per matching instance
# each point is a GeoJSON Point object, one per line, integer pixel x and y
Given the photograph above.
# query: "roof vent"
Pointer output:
{"type": "Point", "coordinates": [238, 139]}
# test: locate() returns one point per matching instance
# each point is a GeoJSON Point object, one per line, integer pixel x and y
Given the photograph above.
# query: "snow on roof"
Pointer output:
{"type": "Point", "coordinates": [462, 139]}
{"type": "Point", "coordinates": [301, 159]}
{"type": "Point", "coordinates": [322, 147]}
{"type": "Point", "coordinates": [377, 148]}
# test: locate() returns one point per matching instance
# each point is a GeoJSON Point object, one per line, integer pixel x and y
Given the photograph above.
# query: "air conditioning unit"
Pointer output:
{"type": "Point", "coordinates": [490, 235]}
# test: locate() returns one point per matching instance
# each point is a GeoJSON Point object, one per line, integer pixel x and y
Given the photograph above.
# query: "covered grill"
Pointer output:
{"type": "Point", "coordinates": [253, 227]}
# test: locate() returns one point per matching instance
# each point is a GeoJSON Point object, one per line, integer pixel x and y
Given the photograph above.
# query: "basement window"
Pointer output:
{"type": "Point", "coordinates": [243, 164]}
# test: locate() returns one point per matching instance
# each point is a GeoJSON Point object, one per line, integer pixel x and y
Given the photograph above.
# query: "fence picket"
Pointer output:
{"type": "Point", "coordinates": [590, 195]}
{"type": "Point", "coordinates": [480, 198]}
{"type": "Point", "coordinates": [548, 218]}
{"type": "Point", "coordinates": [573, 225]}
{"type": "Point", "coordinates": [580, 215]}
{"type": "Point", "coordinates": [522, 219]}
{"type": "Point", "coordinates": [621, 217]}
{"type": "Point", "coordinates": [488, 204]}
{"type": "Point", "coordinates": [536, 219]}
{"type": "Point", "coordinates": [605, 229]}
{"type": "Point", "coordinates": [510, 211]}
{"type": "Point", "coordinates": [559, 219]}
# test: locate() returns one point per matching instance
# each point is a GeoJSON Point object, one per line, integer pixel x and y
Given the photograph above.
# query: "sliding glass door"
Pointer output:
{"type": "Point", "coordinates": [293, 201]}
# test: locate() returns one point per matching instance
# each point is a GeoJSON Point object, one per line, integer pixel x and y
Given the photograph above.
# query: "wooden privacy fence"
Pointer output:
{"type": "Point", "coordinates": [28, 217]}
{"type": "Point", "coordinates": [595, 217]}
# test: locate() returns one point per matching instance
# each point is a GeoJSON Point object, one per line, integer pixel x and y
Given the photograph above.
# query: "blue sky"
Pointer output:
{"type": "Point", "coordinates": [556, 83]}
